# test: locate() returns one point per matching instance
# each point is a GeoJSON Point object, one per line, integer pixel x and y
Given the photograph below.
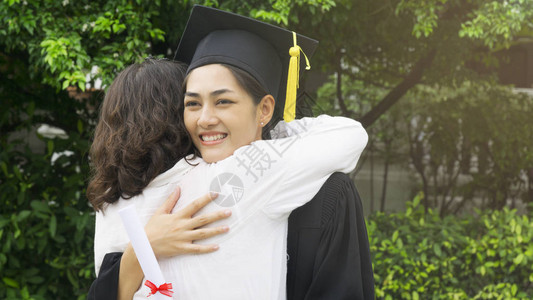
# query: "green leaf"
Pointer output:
{"type": "Point", "coordinates": [21, 197]}
{"type": "Point", "coordinates": [80, 126]}
{"type": "Point", "coordinates": [40, 206]}
{"type": "Point", "coordinates": [66, 84]}
{"type": "Point", "coordinates": [518, 259]}
{"type": "Point", "coordinates": [395, 236]}
{"type": "Point", "coordinates": [118, 27]}
{"type": "Point", "coordinates": [415, 295]}
{"type": "Point", "coordinates": [10, 282]}
{"type": "Point", "coordinates": [36, 280]}
{"type": "Point", "coordinates": [417, 199]}
{"type": "Point", "coordinates": [399, 243]}
{"type": "Point", "coordinates": [53, 226]}
{"type": "Point", "coordinates": [23, 215]}
{"type": "Point", "coordinates": [3, 165]}
{"type": "Point", "coordinates": [437, 250]}
{"type": "Point", "coordinates": [17, 173]}
{"type": "Point", "coordinates": [24, 293]}
{"type": "Point", "coordinates": [72, 278]}
{"type": "Point", "coordinates": [50, 147]}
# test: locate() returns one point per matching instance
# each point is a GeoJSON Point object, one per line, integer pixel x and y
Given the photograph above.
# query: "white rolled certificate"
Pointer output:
{"type": "Point", "coordinates": [144, 252]}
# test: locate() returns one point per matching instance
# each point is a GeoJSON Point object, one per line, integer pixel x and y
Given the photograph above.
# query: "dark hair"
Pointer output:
{"type": "Point", "coordinates": [140, 133]}
{"type": "Point", "coordinates": [256, 91]}
{"type": "Point", "coordinates": [248, 83]}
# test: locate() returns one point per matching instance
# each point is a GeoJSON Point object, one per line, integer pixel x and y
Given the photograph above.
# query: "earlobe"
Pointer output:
{"type": "Point", "coordinates": [266, 109]}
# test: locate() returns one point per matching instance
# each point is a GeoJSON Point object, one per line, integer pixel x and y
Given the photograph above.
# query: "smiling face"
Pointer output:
{"type": "Point", "coordinates": [220, 115]}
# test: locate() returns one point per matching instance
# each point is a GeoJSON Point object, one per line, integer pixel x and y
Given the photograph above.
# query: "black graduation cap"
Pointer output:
{"type": "Point", "coordinates": [261, 49]}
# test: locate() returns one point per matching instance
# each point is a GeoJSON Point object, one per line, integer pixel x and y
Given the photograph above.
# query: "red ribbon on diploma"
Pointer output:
{"type": "Point", "coordinates": [165, 288]}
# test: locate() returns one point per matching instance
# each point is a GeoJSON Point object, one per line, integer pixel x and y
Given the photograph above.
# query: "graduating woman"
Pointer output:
{"type": "Point", "coordinates": [228, 101]}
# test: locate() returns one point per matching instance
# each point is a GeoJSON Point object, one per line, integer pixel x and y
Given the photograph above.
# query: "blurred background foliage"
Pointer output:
{"type": "Point", "coordinates": [466, 136]}
{"type": "Point", "coordinates": [420, 255]}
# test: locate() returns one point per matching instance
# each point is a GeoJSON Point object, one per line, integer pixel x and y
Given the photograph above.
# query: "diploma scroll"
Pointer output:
{"type": "Point", "coordinates": [145, 254]}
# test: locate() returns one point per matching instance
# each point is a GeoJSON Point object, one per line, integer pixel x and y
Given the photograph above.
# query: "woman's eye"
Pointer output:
{"type": "Point", "coordinates": [191, 103]}
{"type": "Point", "coordinates": [224, 101]}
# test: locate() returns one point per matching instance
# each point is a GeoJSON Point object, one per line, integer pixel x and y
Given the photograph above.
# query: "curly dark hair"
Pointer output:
{"type": "Point", "coordinates": [140, 132]}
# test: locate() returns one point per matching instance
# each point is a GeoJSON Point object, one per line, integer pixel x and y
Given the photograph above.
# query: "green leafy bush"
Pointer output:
{"type": "Point", "coordinates": [423, 256]}
{"type": "Point", "coordinates": [46, 227]}
{"type": "Point", "coordinates": [46, 224]}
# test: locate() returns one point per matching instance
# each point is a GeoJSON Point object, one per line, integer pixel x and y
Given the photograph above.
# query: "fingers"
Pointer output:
{"type": "Point", "coordinates": [205, 219]}
{"type": "Point", "coordinates": [198, 204]}
{"type": "Point", "coordinates": [198, 249]}
{"type": "Point", "coordinates": [204, 233]}
{"type": "Point", "coordinates": [170, 202]}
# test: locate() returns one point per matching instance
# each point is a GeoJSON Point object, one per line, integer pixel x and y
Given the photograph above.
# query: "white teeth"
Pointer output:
{"type": "Point", "coordinates": [210, 138]}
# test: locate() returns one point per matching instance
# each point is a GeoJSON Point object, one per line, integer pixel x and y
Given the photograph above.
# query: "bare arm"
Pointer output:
{"type": "Point", "coordinates": [171, 235]}
{"type": "Point", "coordinates": [130, 276]}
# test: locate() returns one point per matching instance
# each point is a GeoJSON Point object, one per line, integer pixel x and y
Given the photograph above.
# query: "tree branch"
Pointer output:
{"type": "Point", "coordinates": [345, 111]}
{"type": "Point", "coordinates": [413, 78]}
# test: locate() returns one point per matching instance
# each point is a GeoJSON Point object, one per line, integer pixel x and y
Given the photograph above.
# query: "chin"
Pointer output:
{"type": "Point", "coordinates": [214, 157]}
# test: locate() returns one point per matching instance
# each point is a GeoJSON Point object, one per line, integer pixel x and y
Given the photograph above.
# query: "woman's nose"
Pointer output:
{"type": "Point", "coordinates": [207, 117]}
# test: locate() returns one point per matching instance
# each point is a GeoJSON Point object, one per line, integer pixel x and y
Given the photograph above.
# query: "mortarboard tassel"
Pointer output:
{"type": "Point", "coordinates": [293, 80]}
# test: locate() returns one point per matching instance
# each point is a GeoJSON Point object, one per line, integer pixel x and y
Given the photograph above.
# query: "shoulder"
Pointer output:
{"type": "Point", "coordinates": [182, 167]}
{"type": "Point", "coordinates": [335, 193]}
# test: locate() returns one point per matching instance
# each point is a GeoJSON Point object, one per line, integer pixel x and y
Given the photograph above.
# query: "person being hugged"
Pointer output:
{"type": "Point", "coordinates": [237, 71]}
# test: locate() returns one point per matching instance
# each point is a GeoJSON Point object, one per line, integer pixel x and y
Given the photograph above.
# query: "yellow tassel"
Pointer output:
{"type": "Point", "coordinates": [293, 80]}
{"type": "Point", "coordinates": [292, 85]}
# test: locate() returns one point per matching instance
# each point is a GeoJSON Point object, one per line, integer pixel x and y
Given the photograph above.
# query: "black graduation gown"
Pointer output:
{"type": "Point", "coordinates": [327, 244]}
{"type": "Point", "coordinates": [327, 247]}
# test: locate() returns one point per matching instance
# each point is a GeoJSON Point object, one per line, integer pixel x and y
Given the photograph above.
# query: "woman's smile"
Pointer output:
{"type": "Point", "coordinates": [212, 138]}
{"type": "Point", "coordinates": [219, 114]}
